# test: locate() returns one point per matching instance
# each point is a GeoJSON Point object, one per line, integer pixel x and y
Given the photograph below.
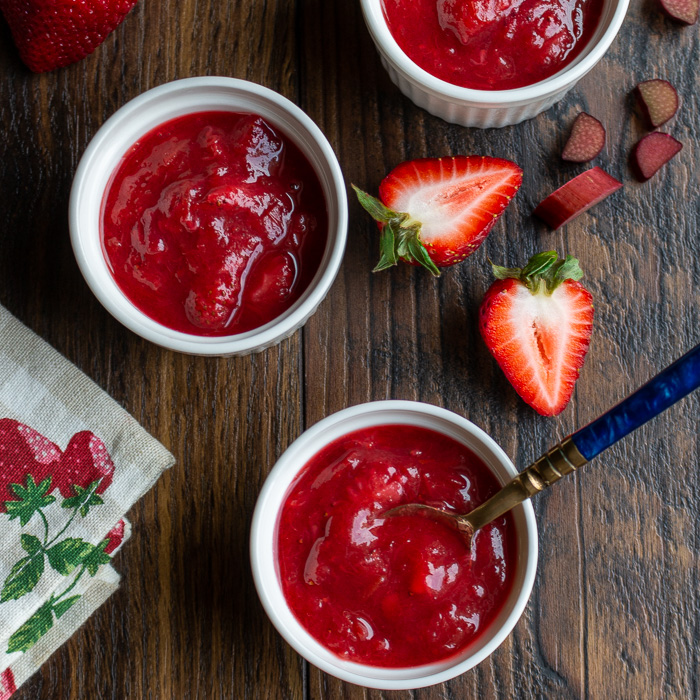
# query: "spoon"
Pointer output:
{"type": "Point", "coordinates": [665, 389]}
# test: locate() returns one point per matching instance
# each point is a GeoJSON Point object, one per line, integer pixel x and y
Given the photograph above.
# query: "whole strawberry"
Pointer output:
{"type": "Point", "coordinates": [54, 33]}
{"type": "Point", "coordinates": [435, 212]}
{"type": "Point", "coordinates": [23, 452]}
{"type": "Point", "coordinates": [537, 323]}
{"type": "Point", "coordinates": [84, 461]}
{"type": "Point", "coordinates": [115, 537]}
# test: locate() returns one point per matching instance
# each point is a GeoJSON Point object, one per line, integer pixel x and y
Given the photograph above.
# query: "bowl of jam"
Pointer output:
{"type": "Point", "coordinates": [490, 63]}
{"type": "Point", "coordinates": [209, 216]}
{"type": "Point", "coordinates": [400, 601]}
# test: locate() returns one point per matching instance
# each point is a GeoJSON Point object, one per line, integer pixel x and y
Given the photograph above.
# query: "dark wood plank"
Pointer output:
{"type": "Point", "coordinates": [420, 342]}
{"type": "Point", "coordinates": [186, 622]}
{"type": "Point", "coordinates": [615, 608]}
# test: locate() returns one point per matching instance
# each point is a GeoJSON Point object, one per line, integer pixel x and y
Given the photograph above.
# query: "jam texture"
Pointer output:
{"type": "Point", "coordinates": [392, 591]}
{"type": "Point", "coordinates": [214, 223]}
{"type": "Point", "coordinates": [492, 44]}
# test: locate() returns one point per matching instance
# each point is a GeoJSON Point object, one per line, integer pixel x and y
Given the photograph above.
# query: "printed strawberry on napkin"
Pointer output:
{"type": "Point", "coordinates": [72, 463]}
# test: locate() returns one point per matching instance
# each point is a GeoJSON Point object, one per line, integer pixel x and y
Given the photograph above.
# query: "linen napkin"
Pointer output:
{"type": "Point", "coordinates": [72, 462]}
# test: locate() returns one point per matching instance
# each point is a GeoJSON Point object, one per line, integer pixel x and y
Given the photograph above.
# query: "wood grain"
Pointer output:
{"type": "Point", "coordinates": [615, 612]}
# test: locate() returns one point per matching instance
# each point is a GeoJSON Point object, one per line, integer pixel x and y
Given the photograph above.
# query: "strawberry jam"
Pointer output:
{"type": "Point", "coordinates": [392, 591]}
{"type": "Point", "coordinates": [492, 44]}
{"type": "Point", "coordinates": [214, 223]}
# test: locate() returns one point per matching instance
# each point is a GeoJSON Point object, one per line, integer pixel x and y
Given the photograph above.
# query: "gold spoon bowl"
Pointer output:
{"type": "Point", "coordinates": [547, 470]}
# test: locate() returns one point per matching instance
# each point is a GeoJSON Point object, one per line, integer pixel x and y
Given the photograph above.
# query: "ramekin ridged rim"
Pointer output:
{"type": "Point", "coordinates": [379, 30]}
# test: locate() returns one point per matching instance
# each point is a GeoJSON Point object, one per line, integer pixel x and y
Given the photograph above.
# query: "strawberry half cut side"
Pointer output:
{"type": "Point", "coordinates": [537, 323]}
{"type": "Point", "coordinates": [54, 33]}
{"type": "Point", "coordinates": [435, 212]}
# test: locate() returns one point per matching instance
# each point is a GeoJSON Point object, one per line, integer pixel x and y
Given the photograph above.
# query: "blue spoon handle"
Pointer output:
{"type": "Point", "coordinates": [655, 396]}
{"type": "Point", "coordinates": [667, 387]}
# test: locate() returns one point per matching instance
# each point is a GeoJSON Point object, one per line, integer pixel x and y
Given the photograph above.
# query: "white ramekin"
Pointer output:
{"type": "Point", "coordinates": [146, 112]}
{"type": "Point", "coordinates": [264, 529]}
{"type": "Point", "coordinates": [486, 108]}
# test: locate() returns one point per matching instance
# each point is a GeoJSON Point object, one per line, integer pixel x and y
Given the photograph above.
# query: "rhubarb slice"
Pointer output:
{"type": "Point", "coordinates": [586, 140]}
{"type": "Point", "coordinates": [653, 151]}
{"type": "Point", "coordinates": [658, 99]}
{"type": "Point", "coordinates": [576, 196]}
{"type": "Point", "coordinates": [685, 11]}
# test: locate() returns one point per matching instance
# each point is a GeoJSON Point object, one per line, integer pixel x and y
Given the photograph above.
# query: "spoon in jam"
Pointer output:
{"type": "Point", "coordinates": [661, 392]}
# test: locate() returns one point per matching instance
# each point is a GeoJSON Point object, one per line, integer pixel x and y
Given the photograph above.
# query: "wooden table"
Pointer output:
{"type": "Point", "coordinates": [615, 612]}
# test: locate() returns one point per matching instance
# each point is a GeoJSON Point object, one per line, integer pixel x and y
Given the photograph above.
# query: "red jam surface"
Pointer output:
{"type": "Point", "coordinates": [214, 223]}
{"type": "Point", "coordinates": [492, 44]}
{"type": "Point", "coordinates": [398, 591]}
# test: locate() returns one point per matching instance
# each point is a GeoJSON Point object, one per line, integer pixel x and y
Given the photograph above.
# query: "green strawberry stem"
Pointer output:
{"type": "Point", "coordinates": [42, 620]}
{"type": "Point", "coordinates": [46, 526]}
{"type": "Point", "coordinates": [543, 272]}
{"type": "Point", "coordinates": [400, 237]}
{"type": "Point", "coordinates": [83, 569]}
{"type": "Point", "coordinates": [80, 503]}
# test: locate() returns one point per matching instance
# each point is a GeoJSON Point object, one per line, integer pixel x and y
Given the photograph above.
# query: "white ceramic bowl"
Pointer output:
{"type": "Point", "coordinates": [264, 530]}
{"type": "Point", "coordinates": [487, 108]}
{"type": "Point", "coordinates": [137, 118]}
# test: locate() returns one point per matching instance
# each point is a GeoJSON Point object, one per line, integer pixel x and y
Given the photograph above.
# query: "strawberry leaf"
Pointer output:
{"type": "Point", "coordinates": [30, 544]}
{"type": "Point", "coordinates": [32, 499]}
{"type": "Point", "coordinates": [539, 264]}
{"type": "Point", "coordinates": [388, 249]}
{"type": "Point", "coordinates": [24, 576]}
{"type": "Point", "coordinates": [32, 630]}
{"type": "Point", "coordinates": [65, 605]}
{"type": "Point", "coordinates": [418, 253]}
{"type": "Point", "coordinates": [567, 269]}
{"type": "Point", "coordinates": [68, 554]}
{"type": "Point", "coordinates": [505, 273]}
{"type": "Point", "coordinates": [84, 499]}
{"type": "Point", "coordinates": [96, 558]}
{"type": "Point", "coordinates": [374, 207]}
{"type": "Point", "coordinates": [542, 269]}
{"type": "Point", "coordinates": [401, 245]}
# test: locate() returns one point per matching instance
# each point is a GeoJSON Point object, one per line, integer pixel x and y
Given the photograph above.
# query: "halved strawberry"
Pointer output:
{"type": "Point", "coordinates": [85, 460]}
{"type": "Point", "coordinates": [537, 323]}
{"type": "Point", "coordinates": [24, 452]}
{"type": "Point", "coordinates": [54, 33]}
{"type": "Point", "coordinates": [437, 211]}
{"type": "Point", "coordinates": [115, 537]}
